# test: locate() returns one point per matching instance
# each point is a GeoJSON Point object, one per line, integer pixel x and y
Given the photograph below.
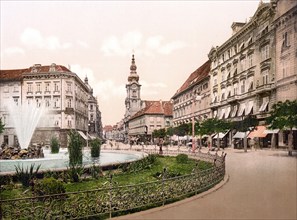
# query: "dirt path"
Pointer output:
{"type": "Point", "coordinates": [262, 185]}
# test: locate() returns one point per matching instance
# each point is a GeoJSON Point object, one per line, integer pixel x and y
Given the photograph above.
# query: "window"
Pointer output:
{"type": "Point", "coordinates": [91, 117]}
{"type": "Point", "coordinates": [69, 103]}
{"type": "Point", "coordinates": [47, 87]}
{"type": "Point", "coordinates": [38, 89]}
{"type": "Point", "coordinates": [16, 101]}
{"type": "Point", "coordinates": [286, 40]}
{"type": "Point", "coordinates": [265, 77]}
{"type": "Point", "coordinates": [215, 82]}
{"type": "Point", "coordinates": [56, 102]}
{"type": "Point", "coordinates": [243, 86]}
{"type": "Point", "coordinates": [250, 60]}
{"type": "Point", "coordinates": [265, 52]}
{"type": "Point", "coordinates": [69, 87]}
{"type": "Point", "coordinates": [69, 124]}
{"type": "Point", "coordinates": [56, 86]}
{"type": "Point", "coordinates": [223, 75]}
{"type": "Point", "coordinates": [29, 87]}
{"type": "Point", "coordinates": [242, 65]}
{"type": "Point", "coordinates": [285, 69]}
{"type": "Point", "coordinates": [15, 88]}
{"type": "Point", "coordinates": [133, 93]}
{"type": "Point", "coordinates": [38, 103]}
{"type": "Point", "coordinates": [47, 102]}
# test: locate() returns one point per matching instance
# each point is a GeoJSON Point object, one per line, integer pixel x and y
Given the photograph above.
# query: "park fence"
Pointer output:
{"type": "Point", "coordinates": [117, 200]}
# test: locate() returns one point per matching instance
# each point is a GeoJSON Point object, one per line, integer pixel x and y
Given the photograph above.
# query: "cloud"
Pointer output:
{"type": "Point", "coordinates": [11, 51]}
{"type": "Point", "coordinates": [82, 72]}
{"type": "Point", "coordinates": [152, 89]}
{"type": "Point", "coordinates": [32, 38]}
{"type": "Point", "coordinates": [82, 44]}
{"type": "Point", "coordinates": [106, 90]}
{"type": "Point", "coordinates": [122, 46]}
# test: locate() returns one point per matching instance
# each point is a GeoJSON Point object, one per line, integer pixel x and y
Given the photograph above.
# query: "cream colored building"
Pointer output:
{"type": "Point", "coordinates": [192, 99]}
{"type": "Point", "coordinates": [61, 92]}
{"type": "Point", "coordinates": [242, 76]}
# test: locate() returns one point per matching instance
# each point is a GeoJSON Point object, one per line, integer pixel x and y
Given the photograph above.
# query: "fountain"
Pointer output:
{"type": "Point", "coordinates": [25, 119]}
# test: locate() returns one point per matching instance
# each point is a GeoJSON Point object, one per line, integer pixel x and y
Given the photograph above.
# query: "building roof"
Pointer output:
{"type": "Point", "coordinates": [107, 128]}
{"type": "Point", "coordinates": [7, 75]}
{"type": "Point", "coordinates": [197, 76]}
{"type": "Point", "coordinates": [16, 74]}
{"type": "Point", "coordinates": [155, 108]}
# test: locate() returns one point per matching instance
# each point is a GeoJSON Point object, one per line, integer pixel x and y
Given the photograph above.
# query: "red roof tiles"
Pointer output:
{"type": "Point", "coordinates": [16, 74]}
{"type": "Point", "coordinates": [197, 76]}
{"type": "Point", "coordinates": [155, 108]}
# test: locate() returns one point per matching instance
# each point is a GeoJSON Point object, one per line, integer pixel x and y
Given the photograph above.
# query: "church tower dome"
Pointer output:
{"type": "Point", "coordinates": [133, 74]}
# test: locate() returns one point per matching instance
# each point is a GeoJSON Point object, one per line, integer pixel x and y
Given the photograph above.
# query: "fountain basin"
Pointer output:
{"type": "Point", "coordinates": [60, 161]}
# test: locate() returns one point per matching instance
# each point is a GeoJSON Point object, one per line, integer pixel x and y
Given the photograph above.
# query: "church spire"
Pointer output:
{"type": "Point", "coordinates": [133, 73]}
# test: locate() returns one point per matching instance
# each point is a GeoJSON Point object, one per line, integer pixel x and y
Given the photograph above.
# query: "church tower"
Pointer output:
{"type": "Point", "coordinates": [133, 101]}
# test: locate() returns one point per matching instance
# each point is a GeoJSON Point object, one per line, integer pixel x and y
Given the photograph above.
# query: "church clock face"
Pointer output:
{"type": "Point", "coordinates": [134, 86]}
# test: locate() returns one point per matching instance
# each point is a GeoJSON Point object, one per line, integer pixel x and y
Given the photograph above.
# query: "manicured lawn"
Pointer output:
{"type": "Point", "coordinates": [150, 173]}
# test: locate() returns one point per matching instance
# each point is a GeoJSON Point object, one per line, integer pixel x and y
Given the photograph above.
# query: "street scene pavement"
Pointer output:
{"type": "Point", "coordinates": [259, 184]}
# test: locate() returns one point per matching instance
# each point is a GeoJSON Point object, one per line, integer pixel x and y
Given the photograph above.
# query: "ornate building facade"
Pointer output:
{"type": "Point", "coordinates": [61, 92]}
{"type": "Point", "coordinates": [192, 99]}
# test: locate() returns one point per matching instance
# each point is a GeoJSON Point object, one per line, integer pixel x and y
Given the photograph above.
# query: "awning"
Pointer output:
{"type": "Point", "coordinates": [274, 131]}
{"type": "Point", "coordinates": [241, 109]}
{"type": "Point", "coordinates": [82, 135]}
{"type": "Point", "coordinates": [222, 113]}
{"type": "Point", "coordinates": [249, 107]}
{"type": "Point", "coordinates": [240, 134]}
{"type": "Point", "coordinates": [228, 112]}
{"type": "Point", "coordinates": [258, 132]}
{"type": "Point", "coordinates": [263, 106]}
{"type": "Point", "coordinates": [234, 111]}
{"type": "Point", "coordinates": [221, 135]}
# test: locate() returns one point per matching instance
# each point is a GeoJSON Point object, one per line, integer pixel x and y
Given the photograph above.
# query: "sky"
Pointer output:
{"type": "Point", "coordinates": [170, 40]}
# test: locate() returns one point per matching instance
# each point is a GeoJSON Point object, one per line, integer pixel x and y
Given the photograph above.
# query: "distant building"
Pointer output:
{"type": "Point", "coordinates": [142, 117]}
{"type": "Point", "coordinates": [64, 95]}
{"type": "Point", "coordinates": [192, 99]}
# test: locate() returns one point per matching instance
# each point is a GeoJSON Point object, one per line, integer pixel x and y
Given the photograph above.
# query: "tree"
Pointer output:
{"type": "Point", "coordinates": [283, 116]}
{"type": "Point", "coordinates": [214, 125]}
{"type": "Point", "coordinates": [249, 123]}
{"type": "Point", "coordinates": [75, 149]}
{"type": "Point", "coordinates": [160, 134]}
{"type": "Point", "coordinates": [2, 125]}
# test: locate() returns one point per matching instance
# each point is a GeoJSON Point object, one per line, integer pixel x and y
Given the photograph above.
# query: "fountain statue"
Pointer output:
{"type": "Point", "coordinates": [24, 119]}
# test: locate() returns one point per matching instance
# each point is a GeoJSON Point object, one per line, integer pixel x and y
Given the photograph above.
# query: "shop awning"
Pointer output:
{"type": "Point", "coordinates": [221, 135]}
{"type": "Point", "coordinates": [241, 109]}
{"type": "Point", "coordinates": [228, 112]}
{"type": "Point", "coordinates": [258, 132]}
{"type": "Point", "coordinates": [82, 135]}
{"type": "Point", "coordinates": [274, 131]}
{"type": "Point", "coordinates": [249, 107]}
{"type": "Point", "coordinates": [263, 106]}
{"type": "Point", "coordinates": [240, 134]}
{"type": "Point", "coordinates": [222, 113]}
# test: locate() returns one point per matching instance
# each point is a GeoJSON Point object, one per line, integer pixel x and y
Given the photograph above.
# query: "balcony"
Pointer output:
{"type": "Point", "coordinates": [264, 88]}
{"type": "Point", "coordinates": [69, 110]}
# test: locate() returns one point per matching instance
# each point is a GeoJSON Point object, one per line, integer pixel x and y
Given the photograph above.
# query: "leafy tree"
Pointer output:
{"type": "Point", "coordinates": [249, 123]}
{"type": "Point", "coordinates": [55, 147]}
{"type": "Point", "coordinates": [160, 134]}
{"type": "Point", "coordinates": [182, 130]}
{"type": "Point", "coordinates": [75, 148]}
{"type": "Point", "coordinates": [214, 125]}
{"type": "Point", "coordinates": [1, 126]}
{"type": "Point", "coordinates": [284, 116]}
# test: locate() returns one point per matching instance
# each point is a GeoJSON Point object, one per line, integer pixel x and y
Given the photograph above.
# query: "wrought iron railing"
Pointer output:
{"type": "Point", "coordinates": [114, 199]}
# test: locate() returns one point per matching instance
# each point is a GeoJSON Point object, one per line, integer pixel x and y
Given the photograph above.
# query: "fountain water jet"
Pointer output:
{"type": "Point", "coordinates": [25, 118]}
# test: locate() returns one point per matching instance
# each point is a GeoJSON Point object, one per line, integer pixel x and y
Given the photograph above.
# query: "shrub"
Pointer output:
{"type": "Point", "coordinates": [95, 147]}
{"type": "Point", "coordinates": [24, 175]}
{"type": "Point", "coordinates": [75, 172]}
{"type": "Point", "coordinates": [48, 186]}
{"type": "Point", "coordinates": [55, 147]}
{"type": "Point", "coordinates": [75, 149]}
{"type": "Point", "coordinates": [182, 158]}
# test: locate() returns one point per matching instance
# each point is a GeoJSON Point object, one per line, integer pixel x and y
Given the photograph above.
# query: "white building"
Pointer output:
{"type": "Point", "coordinates": [63, 94]}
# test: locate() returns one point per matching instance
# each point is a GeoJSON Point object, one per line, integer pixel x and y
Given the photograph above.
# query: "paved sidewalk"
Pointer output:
{"type": "Point", "coordinates": [262, 185]}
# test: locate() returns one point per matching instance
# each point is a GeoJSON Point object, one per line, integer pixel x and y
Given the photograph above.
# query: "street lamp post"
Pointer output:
{"type": "Point", "coordinates": [195, 98]}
